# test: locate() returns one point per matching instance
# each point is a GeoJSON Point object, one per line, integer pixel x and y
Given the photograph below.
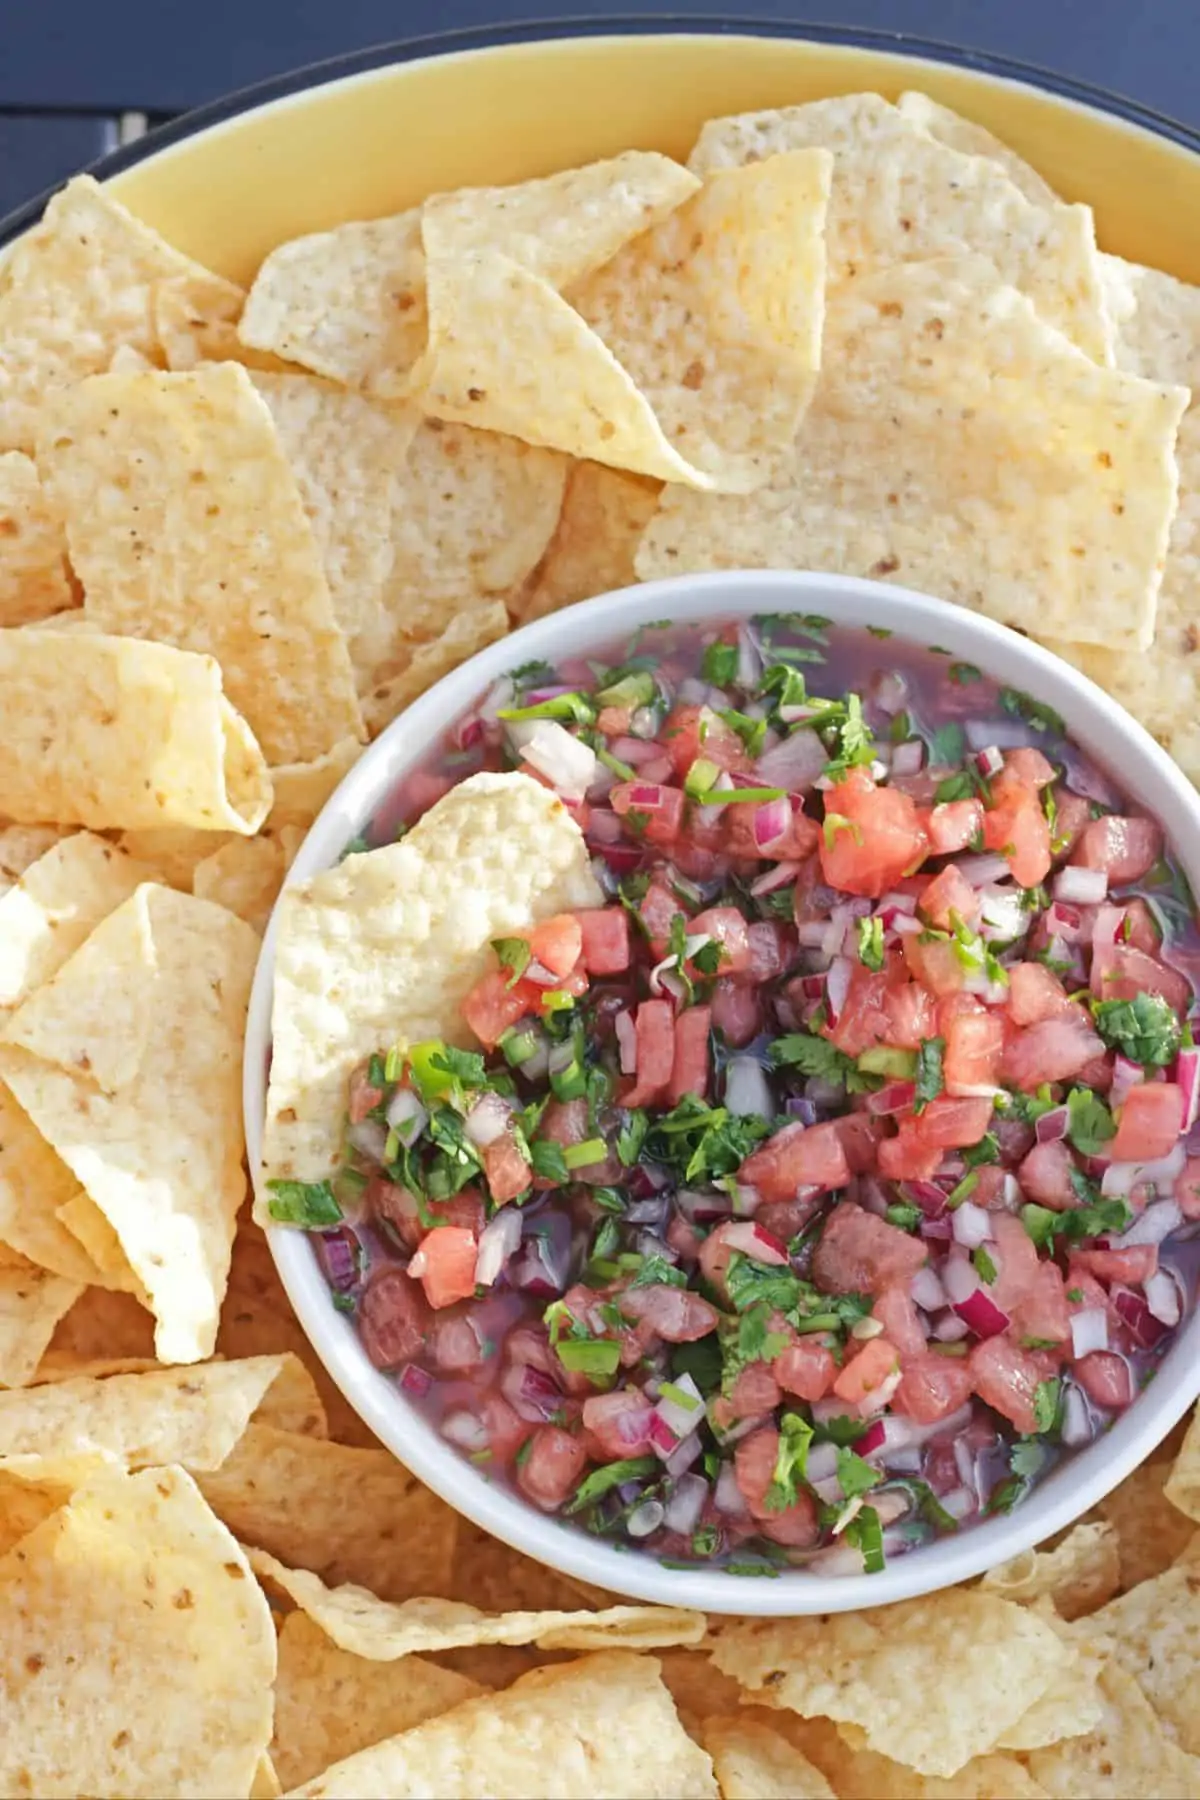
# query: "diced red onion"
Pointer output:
{"type": "Point", "coordinates": [604, 827]}
{"type": "Point", "coordinates": [702, 1209]}
{"type": "Point", "coordinates": [727, 1495]}
{"type": "Point", "coordinates": [829, 1492]}
{"type": "Point", "coordinates": [1053, 1126]}
{"type": "Point", "coordinates": [964, 1462]}
{"type": "Point", "coordinates": [681, 1419]}
{"type": "Point", "coordinates": [948, 1328]}
{"type": "Point", "coordinates": [644, 723]}
{"type": "Point", "coordinates": [544, 1264]}
{"type": "Point", "coordinates": [960, 1503]}
{"type": "Point", "coordinates": [415, 1381]}
{"type": "Point", "coordinates": [754, 1241]}
{"type": "Point", "coordinates": [893, 1097]}
{"type": "Point", "coordinates": [747, 1199]}
{"type": "Point", "coordinates": [972, 1225]}
{"type": "Point", "coordinates": [903, 1462]}
{"type": "Point", "coordinates": [681, 1460]}
{"type": "Point", "coordinates": [1066, 922]}
{"type": "Point", "coordinates": [369, 1137]}
{"type": "Point", "coordinates": [1126, 1076]}
{"type": "Point", "coordinates": [908, 758]}
{"type": "Point", "coordinates": [873, 1438]}
{"type": "Point", "coordinates": [747, 1090]}
{"type": "Point", "coordinates": [823, 1458]}
{"type": "Point", "coordinates": [532, 1393]}
{"type": "Point", "coordinates": [982, 871]}
{"type": "Point", "coordinates": [837, 986]}
{"type": "Point", "coordinates": [687, 1502]}
{"type": "Point", "coordinates": [772, 821]}
{"type": "Point", "coordinates": [539, 696]}
{"type": "Point", "coordinates": [1106, 926]}
{"type": "Point", "coordinates": [489, 1118]}
{"type": "Point", "coordinates": [663, 1441]}
{"type": "Point", "coordinates": [1002, 916]}
{"type": "Point", "coordinates": [568, 764]}
{"type": "Point", "coordinates": [898, 903]}
{"type": "Point", "coordinates": [466, 1430]}
{"type": "Point", "coordinates": [626, 1032]}
{"type": "Point", "coordinates": [926, 1290]}
{"type": "Point", "coordinates": [1076, 1428]}
{"type": "Point", "coordinates": [1162, 1297]}
{"type": "Point", "coordinates": [634, 751]}
{"type": "Point", "coordinates": [647, 1243]}
{"type": "Point", "coordinates": [810, 933]}
{"type": "Point", "coordinates": [340, 1255]}
{"type": "Point", "coordinates": [750, 662]}
{"type": "Point", "coordinates": [500, 1238]}
{"type": "Point", "coordinates": [927, 1195]}
{"type": "Point", "coordinates": [1089, 1331]}
{"type": "Point", "coordinates": [877, 1398]}
{"type": "Point", "coordinates": [794, 764]}
{"type": "Point", "coordinates": [1187, 1073]}
{"type": "Point", "coordinates": [603, 782]}
{"type": "Point", "coordinates": [1080, 886]}
{"type": "Point", "coordinates": [982, 1314]}
{"type": "Point", "coordinates": [1007, 734]}
{"type": "Point", "coordinates": [1134, 1312]}
{"type": "Point", "coordinates": [497, 700]}
{"type": "Point", "coordinates": [645, 1519]}
{"type": "Point", "coordinates": [1122, 1178]}
{"type": "Point", "coordinates": [658, 769]}
{"type": "Point", "coordinates": [646, 1180]}
{"type": "Point", "coordinates": [1154, 1225]}
{"type": "Point", "coordinates": [988, 760]}
{"type": "Point", "coordinates": [646, 795]}
{"type": "Point", "coordinates": [775, 878]}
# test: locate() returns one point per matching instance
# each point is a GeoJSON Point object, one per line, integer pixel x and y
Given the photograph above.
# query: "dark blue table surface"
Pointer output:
{"type": "Point", "coordinates": [69, 68]}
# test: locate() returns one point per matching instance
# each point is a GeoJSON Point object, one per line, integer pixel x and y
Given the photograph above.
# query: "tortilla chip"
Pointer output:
{"type": "Point", "coordinates": [352, 1515]}
{"type": "Point", "coordinates": [361, 1623]}
{"type": "Point", "coordinates": [474, 513]}
{"type": "Point", "coordinates": [604, 514]}
{"type": "Point", "coordinates": [755, 1762]}
{"type": "Point", "coordinates": [32, 1301]}
{"type": "Point", "coordinates": [1155, 1637]}
{"type": "Point", "coordinates": [34, 580]}
{"type": "Point", "coordinates": [329, 1704]}
{"type": "Point", "coordinates": [1070, 1705]}
{"type": "Point", "coordinates": [584, 1730]}
{"type": "Point", "coordinates": [490, 1574]}
{"type": "Point", "coordinates": [466, 634]}
{"type": "Point", "coordinates": [33, 1487]}
{"type": "Point", "coordinates": [1127, 1757]}
{"type": "Point", "coordinates": [34, 1184]}
{"type": "Point", "coordinates": [385, 947]}
{"type": "Point", "coordinates": [951, 129]}
{"type": "Point", "coordinates": [257, 1320]}
{"type": "Point", "coordinates": [175, 852]}
{"type": "Point", "coordinates": [55, 905]}
{"type": "Point", "coordinates": [185, 524]}
{"type": "Point", "coordinates": [698, 1687]}
{"type": "Point", "coordinates": [102, 1326]}
{"type": "Point", "coordinates": [21, 845]}
{"type": "Point", "coordinates": [899, 196]}
{"type": "Point", "coordinates": [1182, 1487]}
{"type": "Point", "coordinates": [347, 455]}
{"type": "Point", "coordinates": [112, 733]}
{"type": "Point", "coordinates": [193, 1416]}
{"type": "Point", "coordinates": [245, 875]}
{"type": "Point", "coordinates": [129, 1064]}
{"type": "Point", "coordinates": [77, 287]}
{"type": "Point", "coordinates": [266, 1784]}
{"type": "Point", "coordinates": [88, 1225]}
{"type": "Point", "coordinates": [190, 333]}
{"type": "Point", "coordinates": [347, 303]}
{"type": "Point", "coordinates": [1078, 1575]}
{"type": "Point", "coordinates": [137, 1652]}
{"type": "Point", "coordinates": [886, 1672]}
{"type": "Point", "coordinates": [301, 789]}
{"type": "Point", "coordinates": [861, 1774]}
{"type": "Point", "coordinates": [917, 464]}
{"type": "Point", "coordinates": [691, 356]}
{"type": "Point", "coordinates": [1151, 1532]}
{"type": "Point", "coordinates": [1158, 337]}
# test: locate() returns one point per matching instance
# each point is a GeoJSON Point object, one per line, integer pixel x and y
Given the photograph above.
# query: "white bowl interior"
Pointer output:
{"type": "Point", "coordinates": [1118, 744]}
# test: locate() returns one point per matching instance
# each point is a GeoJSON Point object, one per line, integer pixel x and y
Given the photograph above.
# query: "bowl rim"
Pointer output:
{"type": "Point", "coordinates": [356, 64]}
{"type": "Point", "coordinates": [1095, 722]}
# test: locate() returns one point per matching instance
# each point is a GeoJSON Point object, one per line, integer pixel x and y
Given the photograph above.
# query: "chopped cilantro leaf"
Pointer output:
{"type": "Point", "coordinates": [879, 631]}
{"type": "Point", "coordinates": [708, 959]}
{"type": "Point", "coordinates": [841, 1429]}
{"type": "Point", "coordinates": [632, 1136]}
{"type": "Point", "coordinates": [930, 1078]}
{"type": "Point", "coordinates": [855, 746]}
{"type": "Point", "coordinates": [548, 1161]}
{"type": "Point", "coordinates": [1046, 1398]}
{"type": "Point", "coordinates": [751, 731]}
{"type": "Point", "coordinates": [1091, 1123]}
{"type": "Point", "coordinates": [901, 728]}
{"type": "Point", "coordinates": [987, 1150]}
{"type": "Point", "coordinates": [1144, 1029]}
{"type": "Point", "coordinates": [791, 1463]}
{"type": "Point", "coordinates": [955, 787]}
{"type": "Point", "coordinates": [308, 1204]}
{"type": "Point", "coordinates": [816, 1056]}
{"type": "Point", "coordinates": [702, 1142]}
{"type": "Point", "coordinates": [948, 744]}
{"type": "Point", "coordinates": [985, 1268]}
{"type": "Point", "coordinates": [464, 1066]}
{"type": "Point", "coordinates": [513, 955]}
{"type": "Point", "coordinates": [963, 673]}
{"type": "Point", "coordinates": [1035, 712]}
{"type": "Point", "coordinates": [786, 684]}
{"type": "Point", "coordinates": [865, 1532]}
{"type": "Point", "coordinates": [719, 664]}
{"type": "Point", "coordinates": [656, 1271]}
{"type": "Point", "coordinates": [701, 1360]}
{"type": "Point", "coordinates": [601, 1481]}
{"type": "Point", "coordinates": [856, 1475]}
{"type": "Point", "coordinates": [870, 943]}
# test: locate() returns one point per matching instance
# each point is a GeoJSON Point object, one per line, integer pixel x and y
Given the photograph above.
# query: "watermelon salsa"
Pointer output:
{"type": "Point", "coordinates": [821, 1190]}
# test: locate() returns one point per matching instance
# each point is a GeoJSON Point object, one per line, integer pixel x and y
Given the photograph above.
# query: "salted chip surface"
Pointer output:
{"type": "Point", "coordinates": [32, 1302]}
{"type": "Point", "coordinates": [473, 515]}
{"type": "Point", "coordinates": [348, 303]}
{"type": "Point", "coordinates": [117, 733]}
{"type": "Point", "coordinates": [1155, 1638]}
{"type": "Point", "coordinates": [56, 903]}
{"type": "Point", "coordinates": [185, 524]}
{"type": "Point", "coordinates": [385, 947]}
{"type": "Point", "coordinates": [971, 139]}
{"type": "Point", "coordinates": [899, 195]}
{"type": "Point", "coordinates": [1151, 1531]}
{"type": "Point", "coordinates": [139, 1031]}
{"type": "Point", "coordinates": [1182, 1487]}
{"type": "Point", "coordinates": [21, 845]}
{"type": "Point", "coordinates": [301, 789]}
{"type": "Point", "coordinates": [34, 1185]}
{"type": "Point", "coordinates": [329, 1704]}
{"type": "Point", "coordinates": [918, 464]}
{"type": "Point", "coordinates": [191, 1416]}
{"type": "Point", "coordinates": [246, 874]}
{"type": "Point", "coordinates": [755, 1762]}
{"type": "Point", "coordinates": [77, 288]}
{"type": "Point", "coordinates": [353, 1515]}
{"type": "Point", "coordinates": [348, 456]}
{"type": "Point", "coordinates": [885, 1672]}
{"type": "Point", "coordinates": [137, 1650]}
{"type": "Point", "coordinates": [193, 328]}
{"type": "Point", "coordinates": [1078, 1575]}
{"type": "Point", "coordinates": [366, 1626]}
{"type": "Point", "coordinates": [583, 1730]}
{"type": "Point", "coordinates": [604, 513]}
{"type": "Point", "coordinates": [465, 634]}
{"type": "Point", "coordinates": [1128, 1756]}
{"type": "Point", "coordinates": [689, 356]}
{"type": "Point", "coordinates": [862, 1774]}
{"type": "Point", "coordinates": [34, 583]}
{"type": "Point", "coordinates": [1158, 337]}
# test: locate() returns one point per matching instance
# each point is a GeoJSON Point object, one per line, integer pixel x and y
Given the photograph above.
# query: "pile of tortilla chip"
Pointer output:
{"type": "Point", "coordinates": [239, 533]}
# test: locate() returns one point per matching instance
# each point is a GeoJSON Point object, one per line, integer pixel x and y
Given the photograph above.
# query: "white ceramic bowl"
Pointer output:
{"type": "Point", "coordinates": [1096, 723]}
